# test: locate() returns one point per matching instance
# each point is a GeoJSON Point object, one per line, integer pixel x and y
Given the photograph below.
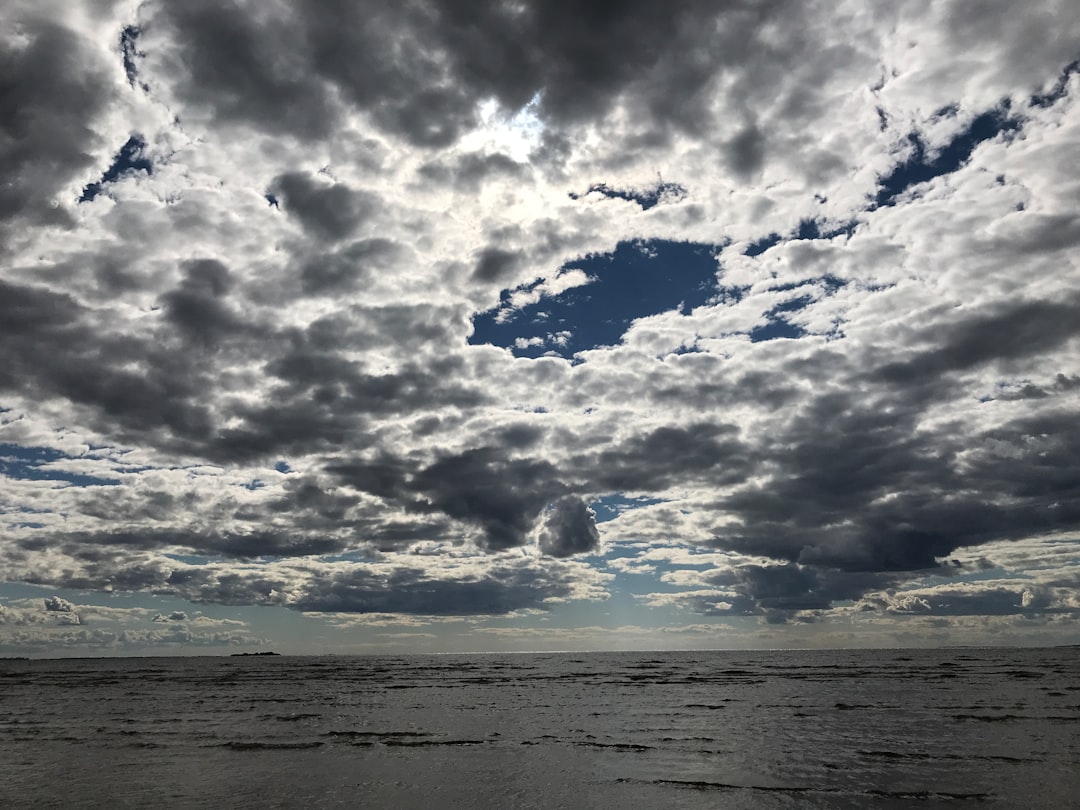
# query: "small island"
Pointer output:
{"type": "Point", "coordinates": [240, 655]}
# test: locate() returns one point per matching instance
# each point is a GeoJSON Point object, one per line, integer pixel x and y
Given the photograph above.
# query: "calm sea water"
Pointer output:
{"type": "Point", "coordinates": [852, 729]}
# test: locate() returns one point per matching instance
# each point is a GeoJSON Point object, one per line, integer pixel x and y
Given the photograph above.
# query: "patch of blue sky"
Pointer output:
{"type": "Point", "coordinates": [635, 280]}
{"type": "Point", "coordinates": [128, 160]}
{"type": "Point", "coordinates": [807, 229]}
{"type": "Point", "coordinates": [923, 165]}
{"type": "Point", "coordinates": [610, 507]}
{"type": "Point", "coordinates": [793, 305]}
{"type": "Point", "coordinates": [357, 555]}
{"type": "Point", "coordinates": [958, 575]}
{"type": "Point", "coordinates": [777, 328]}
{"type": "Point", "coordinates": [779, 324]}
{"type": "Point", "coordinates": [1060, 88]}
{"type": "Point", "coordinates": [812, 229]}
{"type": "Point", "coordinates": [25, 510]}
{"type": "Point", "coordinates": [193, 559]}
{"type": "Point", "coordinates": [758, 247]}
{"type": "Point", "coordinates": [686, 348]}
{"type": "Point", "coordinates": [44, 464]}
{"type": "Point", "coordinates": [621, 608]}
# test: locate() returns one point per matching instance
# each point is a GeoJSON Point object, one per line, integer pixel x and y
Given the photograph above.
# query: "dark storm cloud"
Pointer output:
{"type": "Point", "coordinates": [305, 494]}
{"type": "Point", "coordinates": [390, 589]}
{"type": "Point", "coordinates": [580, 57]}
{"type": "Point", "coordinates": [407, 590]}
{"type": "Point", "coordinates": [569, 528]}
{"type": "Point", "coordinates": [46, 146]}
{"type": "Point", "coordinates": [856, 492]}
{"type": "Point", "coordinates": [101, 278]}
{"type": "Point", "coordinates": [159, 388]}
{"type": "Point", "coordinates": [789, 587]}
{"type": "Point", "coordinates": [383, 476]}
{"type": "Point", "coordinates": [97, 550]}
{"type": "Point", "coordinates": [197, 306]}
{"type": "Point", "coordinates": [327, 210]}
{"type": "Point", "coordinates": [31, 310]}
{"type": "Point", "coordinates": [519, 436]}
{"type": "Point", "coordinates": [1013, 331]}
{"type": "Point", "coordinates": [246, 65]}
{"type": "Point", "coordinates": [316, 511]}
{"type": "Point", "coordinates": [502, 495]}
{"type": "Point", "coordinates": [1066, 382]}
{"type": "Point", "coordinates": [468, 172]}
{"type": "Point", "coordinates": [1045, 233]}
{"type": "Point", "coordinates": [420, 69]}
{"type": "Point", "coordinates": [860, 497]}
{"type": "Point", "coordinates": [347, 588]}
{"type": "Point", "coordinates": [323, 400]}
{"type": "Point", "coordinates": [51, 348]}
{"type": "Point", "coordinates": [505, 496]}
{"type": "Point", "coordinates": [224, 586]}
{"type": "Point", "coordinates": [837, 455]}
{"type": "Point", "coordinates": [861, 492]}
{"type": "Point", "coordinates": [745, 153]}
{"type": "Point", "coordinates": [769, 389]}
{"type": "Point", "coordinates": [289, 426]}
{"type": "Point", "coordinates": [1034, 459]}
{"type": "Point", "coordinates": [667, 456]}
{"type": "Point", "coordinates": [484, 487]}
{"type": "Point", "coordinates": [415, 327]}
{"type": "Point", "coordinates": [1027, 391]}
{"type": "Point", "coordinates": [346, 270]}
{"type": "Point", "coordinates": [496, 264]}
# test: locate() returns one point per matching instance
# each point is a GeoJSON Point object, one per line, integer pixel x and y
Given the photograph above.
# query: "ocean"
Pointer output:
{"type": "Point", "coordinates": [805, 729]}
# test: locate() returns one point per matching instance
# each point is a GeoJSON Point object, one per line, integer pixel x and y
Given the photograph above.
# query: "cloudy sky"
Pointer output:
{"type": "Point", "coordinates": [363, 325]}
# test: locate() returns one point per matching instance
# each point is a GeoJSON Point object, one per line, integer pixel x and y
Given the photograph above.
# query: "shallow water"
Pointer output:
{"type": "Point", "coordinates": [830, 729]}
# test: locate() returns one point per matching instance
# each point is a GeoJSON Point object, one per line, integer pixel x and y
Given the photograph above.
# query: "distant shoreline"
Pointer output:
{"type": "Point", "coordinates": [942, 649]}
{"type": "Point", "coordinates": [241, 655]}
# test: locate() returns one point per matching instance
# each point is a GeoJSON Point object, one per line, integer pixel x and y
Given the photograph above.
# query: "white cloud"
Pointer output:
{"type": "Point", "coordinates": [180, 335]}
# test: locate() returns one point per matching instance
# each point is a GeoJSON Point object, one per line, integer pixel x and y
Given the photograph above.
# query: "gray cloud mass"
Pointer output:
{"type": "Point", "coordinates": [245, 377]}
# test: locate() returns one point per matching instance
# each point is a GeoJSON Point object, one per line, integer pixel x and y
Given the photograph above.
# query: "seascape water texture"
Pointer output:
{"type": "Point", "coordinates": [830, 729]}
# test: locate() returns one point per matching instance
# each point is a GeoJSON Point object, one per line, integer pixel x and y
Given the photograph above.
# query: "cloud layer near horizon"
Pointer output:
{"type": "Point", "coordinates": [243, 247]}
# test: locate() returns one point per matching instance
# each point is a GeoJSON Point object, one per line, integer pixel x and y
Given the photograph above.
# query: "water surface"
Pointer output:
{"type": "Point", "coordinates": [828, 729]}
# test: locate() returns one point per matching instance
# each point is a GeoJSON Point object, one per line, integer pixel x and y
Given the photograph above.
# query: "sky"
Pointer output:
{"type": "Point", "coordinates": [462, 325]}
